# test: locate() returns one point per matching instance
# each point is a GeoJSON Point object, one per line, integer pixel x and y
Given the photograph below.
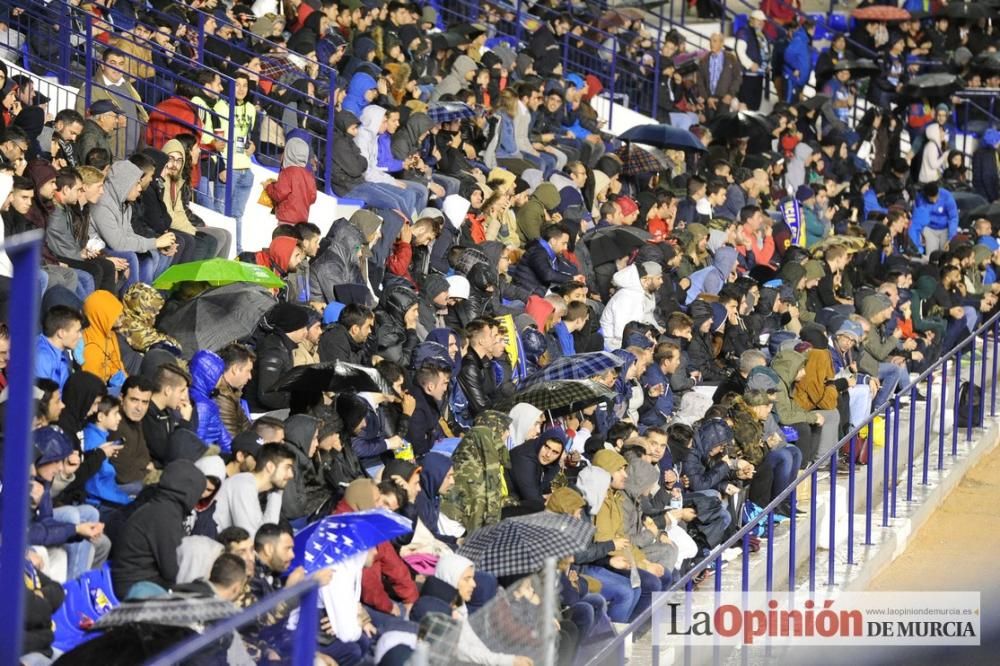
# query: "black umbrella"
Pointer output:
{"type": "Point", "coordinates": [336, 376]}
{"type": "Point", "coordinates": [738, 125]}
{"type": "Point", "coordinates": [612, 245]}
{"type": "Point", "coordinates": [859, 68]}
{"type": "Point", "coordinates": [214, 318]}
{"type": "Point", "coordinates": [815, 102]}
{"type": "Point", "coordinates": [664, 136]}
{"type": "Point", "coordinates": [520, 545]}
{"type": "Point", "coordinates": [563, 396]}
{"type": "Point", "coordinates": [987, 63]}
{"type": "Point", "coordinates": [938, 84]}
{"type": "Point", "coordinates": [990, 212]}
{"type": "Point", "coordinates": [965, 10]}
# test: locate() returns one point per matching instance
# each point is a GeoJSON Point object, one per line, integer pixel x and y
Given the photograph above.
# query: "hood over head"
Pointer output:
{"type": "Point", "coordinates": [206, 369]}
{"type": "Point", "coordinates": [183, 482]}
{"type": "Point", "coordinates": [435, 467]}
{"type": "Point", "coordinates": [121, 179]}
{"type": "Point", "coordinates": [641, 477]}
{"type": "Point", "coordinates": [296, 153]}
{"type": "Point", "coordinates": [343, 120]}
{"type": "Point", "coordinates": [300, 429]}
{"type": "Point", "coordinates": [281, 250]}
{"type": "Point", "coordinates": [523, 416]}
{"type": "Point", "coordinates": [594, 482]}
{"type": "Point", "coordinates": [786, 365]}
{"type": "Point", "coordinates": [547, 195]}
{"type": "Point", "coordinates": [102, 309]}
{"type": "Point", "coordinates": [725, 260]}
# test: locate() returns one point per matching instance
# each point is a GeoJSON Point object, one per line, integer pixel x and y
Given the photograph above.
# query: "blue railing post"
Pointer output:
{"type": "Point", "coordinates": [852, 444]}
{"type": "Point", "coordinates": [895, 451]}
{"type": "Point", "coordinates": [943, 406]}
{"type": "Point", "coordinates": [813, 483]}
{"type": "Point", "coordinates": [927, 428]}
{"type": "Point", "coordinates": [88, 59]}
{"type": "Point", "coordinates": [869, 481]}
{"type": "Point", "coordinates": [833, 518]}
{"type": "Point", "coordinates": [791, 536]}
{"type": "Point", "coordinates": [230, 154]}
{"type": "Point", "coordinates": [886, 446]}
{"type": "Point", "coordinates": [519, 27]}
{"type": "Point", "coordinates": [25, 255]}
{"type": "Point", "coordinates": [201, 38]}
{"type": "Point", "coordinates": [65, 47]}
{"type": "Point", "coordinates": [305, 633]}
{"type": "Point", "coordinates": [996, 355]}
{"type": "Point", "coordinates": [958, 396]}
{"type": "Point", "coordinates": [654, 111]}
{"type": "Point", "coordinates": [981, 416]}
{"type": "Point", "coordinates": [614, 59]}
{"type": "Point", "coordinates": [913, 435]}
{"type": "Point", "coordinates": [328, 153]}
{"type": "Point", "coordinates": [972, 384]}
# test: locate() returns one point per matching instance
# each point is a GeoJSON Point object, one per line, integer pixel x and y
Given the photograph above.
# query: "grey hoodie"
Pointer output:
{"type": "Point", "coordinates": [112, 214]}
{"type": "Point", "coordinates": [455, 80]}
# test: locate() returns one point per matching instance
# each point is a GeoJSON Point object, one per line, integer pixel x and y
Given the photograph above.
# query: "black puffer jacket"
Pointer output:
{"type": "Point", "coordinates": [339, 263]}
{"type": "Point", "coordinates": [304, 495]}
{"type": "Point", "coordinates": [274, 359]}
{"type": "Point", "coordinates": [146, 548]}
{"type": "Point", "coordinates": [393, 341]}
{"type": "Point", "coordinates": [349, 165]}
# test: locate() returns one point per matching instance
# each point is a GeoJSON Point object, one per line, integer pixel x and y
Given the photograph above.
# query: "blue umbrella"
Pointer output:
{"type": "Point", "coordinates": [664, 136]}
{"type": "Point", "coordinates": [446, 112]}
{"type": "Point", "coordinates": [577, 366]}
{"type": "Point", "coordinates": [334, 539]}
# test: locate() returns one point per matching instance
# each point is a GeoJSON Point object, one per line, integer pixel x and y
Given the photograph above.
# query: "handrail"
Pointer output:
{"type": "Point", "coordinates": [305, 633]}
{"type": "Point", "coordinates": [826, 459]}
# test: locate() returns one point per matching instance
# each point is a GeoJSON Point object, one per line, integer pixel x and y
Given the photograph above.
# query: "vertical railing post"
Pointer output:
{"type": "Point", "coordinates": [813, 481]}
{"type": "Point", "coordinates": [972, 386]}
{"type": "Point", "coordinates": [25, 255]}
{"type": "Point", "coordinates": [328, 153]}
{"type": "Point", "coordinates": [614, 62]}
{"type": "Point", "coordinates": [886, 446]}
{"type": "Point", "coordinates": [549, 609]}
{"type": "Point", "coordinates": [927, 428]}
{"type": "Point", "coordinates": [65, 47]}
{"type": "Point", "coordinates": [869, 480]}
{"type": "Point", "coordinates": [230, 154]}
{"type": "Point", "coordinates": [791, 536]}
{"type": "Point", "coordinates": [654, 111]}
{"type": "Point", "coordinates": [518, 27]}
{"type": "Point", "coordinates": [981, 416]}
{"type": "Point", "coordinates": [833, 518]}
{"type": "Point", "coordinates": [851, 446]}
{"type": "Point", "coordinates": [912, 437]}
{"type": "Point", "coordinates": [304, 650]}
{"type": "Point", "coordinates": [895, 451]}
{"type": "Point", "coordinates": [957, 403]}
{"type": "Point", "coordinates": [996, 355]}
{"type": "Point", "coordinates": [88, 59]}
{"type": "Point", "coordinates": [201, 38]}
{"type": "Point", "coordinates": [942, 408]}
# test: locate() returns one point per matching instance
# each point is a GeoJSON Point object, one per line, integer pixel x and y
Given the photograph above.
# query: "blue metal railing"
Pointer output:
{"type": "Point", "coordinates": [25, 254]}
{"type": "Point", "coordinates": [988, 334]}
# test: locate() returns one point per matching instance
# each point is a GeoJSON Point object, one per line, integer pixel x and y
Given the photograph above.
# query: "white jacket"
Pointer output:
{"type": "Point", "coordinates": [630, 303]}
{"type": "Point", "coordinates": [367, 143]}
{"type": "Point", "coordinates": [935, 158]}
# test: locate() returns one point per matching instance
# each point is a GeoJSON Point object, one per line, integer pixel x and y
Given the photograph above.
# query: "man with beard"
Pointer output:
{"type": "Point", "coordinates": [210, 241]}
{"type": "Point", "coordinates": [237, 502]}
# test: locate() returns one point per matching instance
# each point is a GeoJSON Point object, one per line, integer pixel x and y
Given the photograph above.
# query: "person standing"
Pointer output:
{"type": "Point", "coordinates": [754, 53]}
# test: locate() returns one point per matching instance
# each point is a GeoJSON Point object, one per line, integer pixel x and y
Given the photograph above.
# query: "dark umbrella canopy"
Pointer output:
{"type": "Point", "coordinates": [562, 396]}
{"type": "Point", "coordinates": [938, 84]}
{"type": "Point", "coordinates": [521, 545]}
{"type": "Point", "coordinates": [217, 317]}
{"type": "Point", "coordinates": [739, 125]}
{"type": "Point", "coordinates": [336, 376]}
{"type": "Point", "coordinates": [446, 112]}
{"type": "Point", "coordinates": [859, 68]}
{"type": "Point", "coordinates": [815, 102]}
{"type": "Point", "coordinates": [664, 136]}
{"type": "Point", "coordinates": [965, 10]}
{"type": "Point", "coordinates": [990, 212]}
{"type": "Point", "coordinates": [613, 245]}
{"type": "Point", "coordinates": [577, 366]}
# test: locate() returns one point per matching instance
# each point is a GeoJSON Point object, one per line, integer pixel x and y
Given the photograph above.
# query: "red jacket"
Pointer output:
{"type": "Point", "coordinates": [172, 116]}
{"type": "Point", "coordinates": [399, 261]}
{"type": "Point", "coordinates": [388, 569]}
{"type": "Point", "coordinates": [293, 194]}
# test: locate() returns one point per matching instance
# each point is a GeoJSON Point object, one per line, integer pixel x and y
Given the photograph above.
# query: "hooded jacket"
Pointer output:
{"type": "Point", "coordinates": [531, 217]}
{"type": "Point", "coordinates": [112, 214]}
{"type": "Point", "coordinates": [355, 101]}
{"type": "Point", "coordinates": [540, 268]}
{"type": "Point", "coordinates": [206, 369]}
{"type": "Point", "coordinates": [480, 487]}
{"type": "Point", "coordinates": [349, 165]}
{"type": "Point", "coordinates": [435, 467]}
{"type": "Point", "coordinates": [294, 191]}
{"type": "Point", "coordinates": [340, 262]}
{"type": "Point", "coordinates": [392, 340]}
{"type": "Point", "coordinates": [529, 478]}
{"type": "Point", "coordinates": [146, 548]}
{"type": "Point", "coordinates": [455, 81]}
{"type": "Point", "coordinates": [816, 390]}
{"type": "Point", "coordinates": [630, 303]}
{"type": "Point", "coordinates": [786, 365]}
{"type": "Point", "coordinates": [367, 143]}
{"type": "Point", "coordinates": [703, 471]}
{"type": "Point", "coordinates": [798, 59]}
{"type": "Point", "coordinates": [712, 279]}
{"type": "Point", "coordinates": [407, 139]}
{"type": "Point", "coordinates": [305, 494]}
{"type": "Point", "coordinates": [101, 350]}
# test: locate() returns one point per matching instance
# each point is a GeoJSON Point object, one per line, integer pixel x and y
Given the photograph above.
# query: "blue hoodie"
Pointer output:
{"type": "Point", "coordinates": [355, 100]}
{"type": "Point", "coordinates": [206, 371]}
{"type": "Point", "coordinates": [655, 412]}
{"type": "Point", "coordinates": [942, 214]}
{"type": "Point", "coordinates": [711, 279]}
{"type": "Point", "coordinates": [102, 487]}
{"type": "Point", "coordinates": [798, 58]}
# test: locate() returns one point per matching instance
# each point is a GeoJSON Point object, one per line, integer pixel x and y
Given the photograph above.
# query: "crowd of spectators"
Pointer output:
{"type": "Point", "coordinates": [735, 311]}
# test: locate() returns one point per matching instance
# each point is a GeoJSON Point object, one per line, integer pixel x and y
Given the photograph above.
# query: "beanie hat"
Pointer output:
{"type": "Point", "coordinates": [359, 494]}
{"type": "Point", "coordinates": [714, 433]}
{"type": "Point", "coordinates": [610, 461]}
{"type": "Point", "coordinates": [804, 193]}
{"type": "Point", "coordinates": [756, 398]}
{"type": "Point", "coordinates": [174, 146]}
{"type": "Point", "coordinates": [352, 410]}
{"type": "Point", "coordinates": [287, 317]}
{"type": "Point", "coordinates": [719, 315]}
{"type": "Point", "coordinates": [450, 568]}
{"type": "Point", "coordinates": [626, 205]}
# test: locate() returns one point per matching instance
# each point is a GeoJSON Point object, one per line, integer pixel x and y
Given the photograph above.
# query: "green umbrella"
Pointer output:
{"type": "Point", "coordinates": [218, 272]}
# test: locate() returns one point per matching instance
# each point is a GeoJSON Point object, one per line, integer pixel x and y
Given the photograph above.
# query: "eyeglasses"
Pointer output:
{"type": "Point", "coordinates": [175, 160]}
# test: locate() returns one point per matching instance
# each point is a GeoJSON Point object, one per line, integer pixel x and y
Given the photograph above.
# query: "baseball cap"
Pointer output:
{"type": "Point", "coordinates": [103, 106]}
{"type": "Point", "coordinates": [248, 442]}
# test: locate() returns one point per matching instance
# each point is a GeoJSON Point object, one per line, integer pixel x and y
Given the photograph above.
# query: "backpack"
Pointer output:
{"type": "Point", "coordinates": [966, 393]}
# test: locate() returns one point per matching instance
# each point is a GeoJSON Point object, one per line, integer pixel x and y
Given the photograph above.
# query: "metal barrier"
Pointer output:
{"type": "Point", "coordinates": [985, 340]}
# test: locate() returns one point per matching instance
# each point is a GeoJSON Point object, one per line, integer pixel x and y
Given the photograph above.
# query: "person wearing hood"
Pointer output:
{"type": "Point", "coordinates": [798, 60]}
{"type": "Point", "coordinates": [533, 467]}
{"type": "Point", "coordinates": [282, 256]}
{"type": "Point", "coordinates": [880, 349]}
{"type": "Point", "coordinates": [361, 91]}
{"type": "Point", "coordinates": [305, 495]}
{"type": "Point", "coordinates": [526, 423]}
{"type": "Point", "coordinates": [372, 125]}
{"type": "Point", "coordinates": [101, 350]}
{"type": "Point", "coordinates": [151, 211]}
{"type": "Point", "coordinates": [396, 325]}
{"type": "Point", "coordinates": [288, 325]}
{"type": "Point", "coordinates": [537, 212]}
{"type": "Point", "coordinates": [345, 261]}
{"type": "Point", "coordinates": [712, 279]}
{"type": "Point", "coordinates": [142, 304]}
{"type": "Point", "coordinates": [481, 461]}
{"type": "Point", "coordinates": [176, 195]}
{"type": "Point", "coordinates": [436, 482]}
{"type": "Point", "coordinates": [817, 429]}
{"type": "Point", "coordinates": [543, 265]}
{"type": "Point", "coordinates": [145, 552]}
{"type": "Point", "coordinates": [633, 301]}
{"type": "Point", "coordinates": [207, 369]}
{"type": "Point", "coordinates": [762, 443]}
{"type": "Point", "coordinates": [463, 71]}
{"type": "Point", "coordinates": [293, 193]}
{"type": "Point", "coordinates": [112, 217]}
{"type": "Point", "coordinates": [642, 483]}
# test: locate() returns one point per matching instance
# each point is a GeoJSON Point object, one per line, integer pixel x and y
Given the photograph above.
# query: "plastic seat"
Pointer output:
{"type": "Point", "coordinates": [838, 22]}
{"type": "Point", "coordinates": [739, 22]}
